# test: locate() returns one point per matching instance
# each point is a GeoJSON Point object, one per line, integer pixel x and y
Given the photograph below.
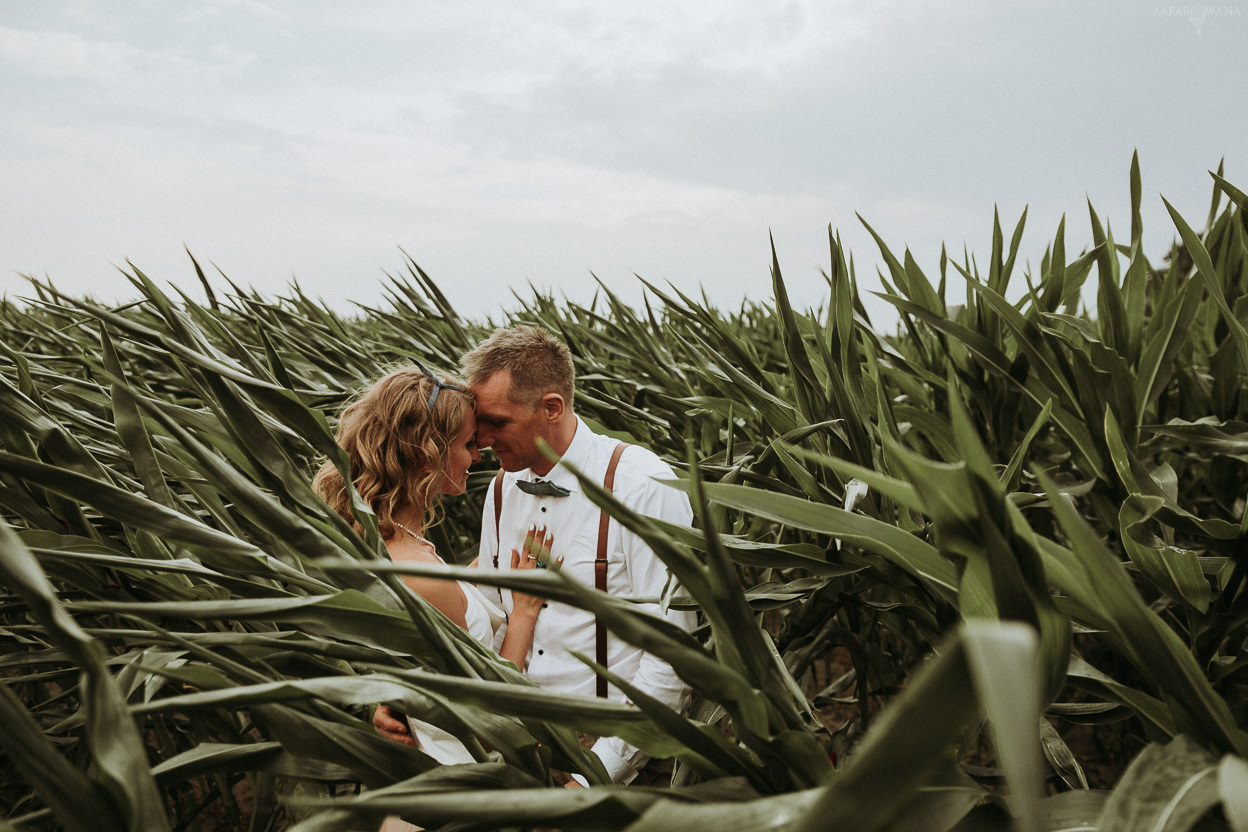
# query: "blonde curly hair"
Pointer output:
{"type": "Point", "coordinates": [398, 448]}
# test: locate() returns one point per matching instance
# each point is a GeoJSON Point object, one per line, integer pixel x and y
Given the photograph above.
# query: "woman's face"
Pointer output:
{"type": "Point", "coordinates": [463, 453]}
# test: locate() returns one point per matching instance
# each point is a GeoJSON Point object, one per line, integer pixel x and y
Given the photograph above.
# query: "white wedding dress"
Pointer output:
{"type": "Point", "coordinates": [483, 620]}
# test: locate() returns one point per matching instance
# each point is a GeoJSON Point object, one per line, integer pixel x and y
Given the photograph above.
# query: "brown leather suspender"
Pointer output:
{"type": "Point", "coordinates": [498, 513]}
{"type": "Point", "coordinates": [600, 566]}
{"type": "Point", "coordinates": [600, 563]}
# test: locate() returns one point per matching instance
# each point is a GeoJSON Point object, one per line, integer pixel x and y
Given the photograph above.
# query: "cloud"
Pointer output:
{"type": "Point", "coordinates": [502, 142]}
{"type": "Point", "coordinates": [218, 8]}
{"type": "Point", "coordinates": [117, 66]}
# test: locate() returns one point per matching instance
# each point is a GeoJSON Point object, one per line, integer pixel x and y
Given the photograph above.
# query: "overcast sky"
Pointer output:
{"type": "Point", "coordinates": [503, 144]}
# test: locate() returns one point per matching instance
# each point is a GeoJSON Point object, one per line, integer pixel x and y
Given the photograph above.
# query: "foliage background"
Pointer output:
{"type": "Point", "coordinates": [986, 571]}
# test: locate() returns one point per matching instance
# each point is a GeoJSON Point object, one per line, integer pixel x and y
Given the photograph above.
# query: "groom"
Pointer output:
{"type": "Point", "coordinates": [523, 380]}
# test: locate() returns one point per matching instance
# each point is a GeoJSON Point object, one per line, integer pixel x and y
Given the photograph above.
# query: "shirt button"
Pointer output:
{"type": "Point", "coordinates": [544, 606]}
{"type": "Point", "coordinates": [543, 508]}
{"type": "Point", "coordinates": [541, 652]}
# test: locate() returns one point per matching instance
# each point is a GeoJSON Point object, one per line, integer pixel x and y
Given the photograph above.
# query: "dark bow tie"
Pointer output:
{"type": "Point", "coordinates": [542, 488]}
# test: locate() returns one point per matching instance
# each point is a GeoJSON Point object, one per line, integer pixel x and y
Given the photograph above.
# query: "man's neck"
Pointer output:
{"type": "Point", "coordinates": [559, 443]}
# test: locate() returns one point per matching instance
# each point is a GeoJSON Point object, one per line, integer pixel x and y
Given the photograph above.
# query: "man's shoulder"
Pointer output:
{"type": "Point", "coordinates": [640, 467]}
{"type": "Point", "coordinates": [639, 456]}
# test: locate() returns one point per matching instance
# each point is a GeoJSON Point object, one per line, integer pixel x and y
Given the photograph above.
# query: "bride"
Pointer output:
{"type": "Point", "coordinates": [411, 438]}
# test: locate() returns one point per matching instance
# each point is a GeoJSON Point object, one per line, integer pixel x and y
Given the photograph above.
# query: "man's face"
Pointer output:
{"type": "Point", "coordinates": [511, 430]}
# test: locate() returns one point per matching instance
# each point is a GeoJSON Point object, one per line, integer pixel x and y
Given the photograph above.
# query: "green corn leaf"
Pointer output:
{"type": "Point", "coordinates": [698, 745]}
{"type": "Point", "coordinates": [1209, 434]}
{"type": "Point", "coordinates": [1110, 305]}
{"type": "Point", "coordinates": [116, 747]}
{"type": "Point", "coordinates": [1010, 476]}
{"type": "Point", "coordinates": [214, 547]}
{"type": "Point", "coordinates": [781, 813]}
{"type": "Point", "coordinates": [213, 757]}
{"type": "Point", "coordinates": [33, 756]}
{"type": "Point", "coordinates": [1151, 710]}
{"type": "Point", "coordinates": [1053, 286]}
{"type": "Point", "coordinates": [1233, 791]}
{"type": "Point", "coordinates": [1166, 788]}
{"type": "Point", "coordinates": [719, 682]}
{"type": "Point", "coordinates": [1153, 647]}
{"type": "Point", "coordinates": [1235, 194]}
{"type": "Point", "coordinates": [1003, 660]}
{"type": "Point", "coordinates": [353, 745]}
{"type": "Point", "coordinates": [1061, 758]}
{"type": "Point", "coordinates": [918, 290]}
{"type": "Point", "coordinates": [132, 433]}
{"type": "Point", "coordinates": [1055, 392]}
{"type": "Point", "coordinates": [347, 614]}
{"type": "Point", "coordinates": [911, 744]}
{"type": "Point", "coordinates": [895, 489]}
{"type": "Point", "coordinates": [1213, 283]}
{"type": "Point", "coordinates": [492, 796]}
{"type": "Point", "coordinates": [1137, 193]}
{"type": "Point", "coordinates": [810, 398]}
{"type": "Point", "coordinates": [917, 557]}
{"type": "Point", "coordinates": [1136, 480]}
{"type": "Point", "coordinates": [1164, 336]}
{"type": "Point", "coordinates": [1175, 572]}
{"type": "Point", "coordinates": [1076, 811]}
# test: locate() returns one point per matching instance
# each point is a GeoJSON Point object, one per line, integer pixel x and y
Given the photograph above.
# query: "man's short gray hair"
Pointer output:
{"type": "Point", "coordinates": [538, 361]}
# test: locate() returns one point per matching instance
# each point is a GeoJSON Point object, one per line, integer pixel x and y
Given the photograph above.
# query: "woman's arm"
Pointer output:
{"type": "Point", "coordinates": [525, 608]}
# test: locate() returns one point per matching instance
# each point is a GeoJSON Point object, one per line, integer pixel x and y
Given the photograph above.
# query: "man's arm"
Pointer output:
{"type": "Point", "coordinates": [648, 576]}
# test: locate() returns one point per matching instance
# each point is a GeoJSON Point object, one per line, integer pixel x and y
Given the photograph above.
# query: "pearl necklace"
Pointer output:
{"type": "Point", "coordinates": [413, 534]}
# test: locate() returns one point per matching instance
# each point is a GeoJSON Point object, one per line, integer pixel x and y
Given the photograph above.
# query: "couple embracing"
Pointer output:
{"type": "Point", "coordinates": [412, 437]}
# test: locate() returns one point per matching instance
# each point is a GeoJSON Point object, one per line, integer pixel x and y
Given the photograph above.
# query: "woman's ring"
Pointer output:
{"type": "Point", "coordinates": [531, 557]}
{"type": "Point", "coordinates": [541, 564]}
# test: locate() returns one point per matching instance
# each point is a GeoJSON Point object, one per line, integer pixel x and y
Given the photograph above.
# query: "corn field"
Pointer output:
{"type": "Point", "coordinates": [986, 572]}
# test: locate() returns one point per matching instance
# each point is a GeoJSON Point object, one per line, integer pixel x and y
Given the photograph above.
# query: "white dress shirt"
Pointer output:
{"type": "Point", "coordinates": [633, 571]}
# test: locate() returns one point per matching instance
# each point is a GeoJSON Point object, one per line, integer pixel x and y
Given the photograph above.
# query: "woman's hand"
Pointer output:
{"type": "Point", "coordinates": [525, 607]}
{"type": "Point", "coordinates": [389, 724]}
{"type": "Point", "coordinates": [536, 555]}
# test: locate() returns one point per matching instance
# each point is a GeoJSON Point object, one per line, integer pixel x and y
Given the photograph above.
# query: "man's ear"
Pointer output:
{"type": "Point", "coordinates": [552, 406]}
